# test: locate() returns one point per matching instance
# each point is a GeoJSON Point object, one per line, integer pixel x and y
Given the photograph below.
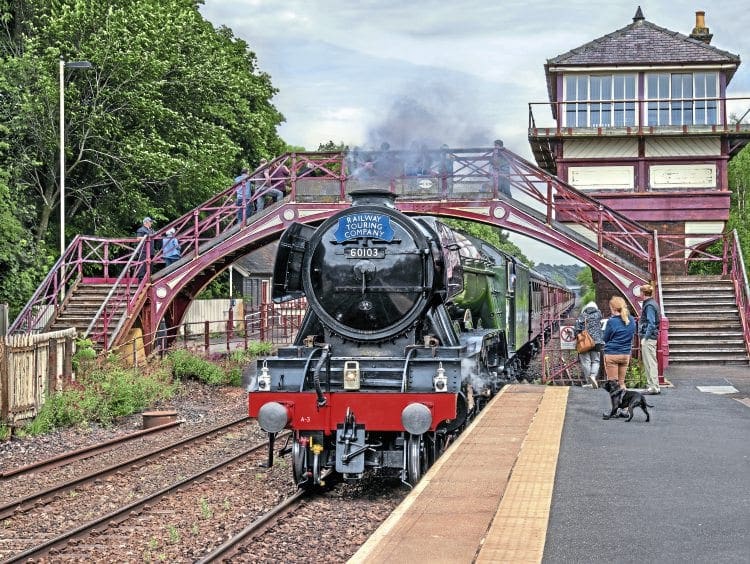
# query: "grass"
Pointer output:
{"type": "Point", "coordinates": [206, 512]}
{"type": "Point", "coordinates": [107, 389]}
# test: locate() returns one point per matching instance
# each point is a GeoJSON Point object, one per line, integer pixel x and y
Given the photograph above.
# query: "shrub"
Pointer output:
{"type": "Point", "coordinates": [99, 397]}
{"type": "Point", "coordinates": [85, 356]}
{"type": "Point", "coordinates": [187, 365]}
{"type": "Point", "coordinates": [635, 377]}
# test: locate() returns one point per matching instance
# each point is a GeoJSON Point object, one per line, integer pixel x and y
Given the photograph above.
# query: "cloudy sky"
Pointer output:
{"type": "Point", "coordinates": [352, 70]}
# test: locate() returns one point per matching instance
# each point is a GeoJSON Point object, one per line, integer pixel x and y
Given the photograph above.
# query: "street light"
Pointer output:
{"type": "Point", "coordinates": [63, 66]}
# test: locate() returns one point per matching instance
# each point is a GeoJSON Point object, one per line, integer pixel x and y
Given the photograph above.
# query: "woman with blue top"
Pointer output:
{"type": "Point", "coordinates": [618, 340]}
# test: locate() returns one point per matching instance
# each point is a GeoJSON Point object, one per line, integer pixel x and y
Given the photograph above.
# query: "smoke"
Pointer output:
{"type": "Point", "coordinates": [470, 371]}
{"type": "Point", "coordinates": [430, 114]}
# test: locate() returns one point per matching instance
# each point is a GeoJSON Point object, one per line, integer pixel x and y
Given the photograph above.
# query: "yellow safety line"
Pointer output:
{"type": "Point", "coordinates": [519, 529]}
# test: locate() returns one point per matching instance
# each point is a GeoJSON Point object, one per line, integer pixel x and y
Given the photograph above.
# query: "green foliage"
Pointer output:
{"type": "Point", "coordinates": [586, 280]}
{"type": "Point", "coordinates": [4, 432]}
{"type": "Point", "coordinates": [218, 288]}
{"type": "Point", "coordinates": [185, 364]}
{"type": "Point", "coordinates": [589, 296]}
{"type": "Point", "coordinates": [489, 234]}
{"type": "Point", "coordinates": [84, 357]}
{"type": "Point", "coordinates": [99, 397]}
{"type": "Point", "coordinates": [205, 508]}
{"type": "Point", "coordinates": [23, 260]}
{"type": "Point", "coordinates": [739, 212]}
{"type": "Point", "coordinates": [331, 146]}
{"type": "Point", "coordinates": [705, 267]}
{"type": "Point", "coordinates": [259, 348]}
{"type": "Point", "coordinates": [566, 274]}
{"type": "Point", "coordinates": [635, 377]}
{"type": "Point", "coordinates": [167, 115]}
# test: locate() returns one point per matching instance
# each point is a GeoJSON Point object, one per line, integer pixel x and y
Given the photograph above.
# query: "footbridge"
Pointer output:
{"type": "Point", "coordinates": [105, 287]}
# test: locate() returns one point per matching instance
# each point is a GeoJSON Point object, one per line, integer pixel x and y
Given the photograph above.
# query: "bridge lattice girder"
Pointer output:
{"type": "Point", "coordinates": [490, 185]}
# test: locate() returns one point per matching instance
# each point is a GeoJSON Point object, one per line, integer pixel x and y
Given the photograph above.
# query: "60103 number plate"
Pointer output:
{"type": "Point", "coordinates": [365, 252]}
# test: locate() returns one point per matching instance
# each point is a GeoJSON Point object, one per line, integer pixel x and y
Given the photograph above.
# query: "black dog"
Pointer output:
{"type": "Point", "coordinates": [625, 399]}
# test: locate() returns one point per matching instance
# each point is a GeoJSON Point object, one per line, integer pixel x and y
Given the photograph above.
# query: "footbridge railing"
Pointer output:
{"type": "Point", "coordinates": [716, 255]}
{"type": "Point", "coordinates": [468, 177]}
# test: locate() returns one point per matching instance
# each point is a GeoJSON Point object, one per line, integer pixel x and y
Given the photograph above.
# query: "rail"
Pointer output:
{"type": "Point", "coordinates": [721, 255]}
{"type": "Point", "coordinates": [662, 339]}
{"type": "Point", "coordinates": [270, 324]}
{"type": "Point", "coordinates": [120, 292]}
{"type": "Point", "coordinates": [741, 290]}
{"type": "Point", "coordinates": [86, 257]}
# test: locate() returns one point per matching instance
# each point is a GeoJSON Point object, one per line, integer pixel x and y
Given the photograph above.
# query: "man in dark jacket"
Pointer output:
{"type": "Point", "coordinates": [648, 332]}
{"type": "Point", "coordinates": [146, 231]}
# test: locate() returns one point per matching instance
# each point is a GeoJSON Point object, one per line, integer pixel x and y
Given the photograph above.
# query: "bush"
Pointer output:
{"type": "Point", "coordinates": [187, 365]}
{"type": "Point", "coordinates": [85, 356]}
{"type": "Point", "coordinates": [635, 377]}
{"type": "Point", "coordinates": [99, 397]}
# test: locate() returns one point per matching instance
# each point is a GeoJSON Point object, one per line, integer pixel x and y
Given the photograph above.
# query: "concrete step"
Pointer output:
{"type": "Point", "coordinates": [707, 359]}
{"type": "Point", "coordinates": [720, 310]}
{"type": "Point", "coordinates": [692, 341]}
{"type": "Point", "coordinates": [691, 300]}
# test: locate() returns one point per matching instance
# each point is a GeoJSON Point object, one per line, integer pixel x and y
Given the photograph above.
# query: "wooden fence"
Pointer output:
{"type": "Point", "coordinates": [31, 366]}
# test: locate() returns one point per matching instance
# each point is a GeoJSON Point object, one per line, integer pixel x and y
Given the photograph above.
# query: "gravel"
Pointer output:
{"type": "Point", "coordinates": [197, 404]}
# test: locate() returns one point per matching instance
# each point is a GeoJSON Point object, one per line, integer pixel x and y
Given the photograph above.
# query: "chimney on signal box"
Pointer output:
{"type": "Point", "coordinates": [700, 31]}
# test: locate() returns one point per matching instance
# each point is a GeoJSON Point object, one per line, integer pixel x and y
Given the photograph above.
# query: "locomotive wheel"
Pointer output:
{"type": "Point", "coordinates": [416, 459]}
{"type": "Point", "coordinates": [298, 463]}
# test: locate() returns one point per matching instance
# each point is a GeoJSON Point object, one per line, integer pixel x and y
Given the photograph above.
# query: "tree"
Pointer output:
{"type": "Point", "coordinates": [586, 280]}
{"type": "Point", "coordinates": [170, 111]}
{"type": "Point", "coordinates": [491, 235]}
{"type": "Point", "coordinates": [739, 212]}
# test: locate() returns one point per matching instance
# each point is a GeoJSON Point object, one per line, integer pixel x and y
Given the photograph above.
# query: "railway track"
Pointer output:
{"type": "Point", "coordinates": [327, 525]}
{"type": "Point", "coordinates": [24, 502]}
{"type": "Point", "coordinates": [50, 520]}
{"type": "Point", "coordinates": [82, 453]}
{"type": "Point", "coordinates": [231, 547]}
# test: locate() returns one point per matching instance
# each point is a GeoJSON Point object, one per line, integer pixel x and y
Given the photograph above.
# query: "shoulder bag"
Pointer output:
{"type": "Point", "coordinates": [584, 342]}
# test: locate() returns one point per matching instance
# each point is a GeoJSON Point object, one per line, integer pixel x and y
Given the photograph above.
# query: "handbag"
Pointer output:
{"type": "Point", "coordinates": [584, 342]}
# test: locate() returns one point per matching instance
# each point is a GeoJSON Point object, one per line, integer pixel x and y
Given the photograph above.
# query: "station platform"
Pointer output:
{"type": "Point", "coordinates": [539, 476]}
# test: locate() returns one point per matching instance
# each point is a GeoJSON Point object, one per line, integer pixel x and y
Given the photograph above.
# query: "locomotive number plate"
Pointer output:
{"type": "Point", "coordinates": [365, 252]}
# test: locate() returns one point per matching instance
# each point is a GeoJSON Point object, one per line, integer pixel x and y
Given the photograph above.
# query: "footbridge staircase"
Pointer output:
{"type": "Point", "coordinates": [106, 287]}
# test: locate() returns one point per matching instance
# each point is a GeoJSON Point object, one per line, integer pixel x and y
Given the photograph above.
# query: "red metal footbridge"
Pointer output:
{"type": "Point", "coordinates": [133, 287]}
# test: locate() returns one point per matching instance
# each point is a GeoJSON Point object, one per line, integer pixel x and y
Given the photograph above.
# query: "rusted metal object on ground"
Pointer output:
{"type": "Point", "coordinates": [156, 418]}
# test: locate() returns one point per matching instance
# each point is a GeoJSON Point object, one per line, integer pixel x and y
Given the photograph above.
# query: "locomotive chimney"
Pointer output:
{"type": "Point", "coordinates": [373, 196]}
{"type": "Point", "coordinates": [700, 31]}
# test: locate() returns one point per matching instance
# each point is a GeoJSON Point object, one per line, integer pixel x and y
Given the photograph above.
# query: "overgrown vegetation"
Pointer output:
{"type": "Point", "coordinates": [586, 281]}
{"type": "Point", "coordinates": [186, 364]}
{"type": "Point", "coordinates": [635, 377]}
{"type": "Point", "coordinates": [103, 392]}
{"type": "Point", "coordinates": [100, 396]}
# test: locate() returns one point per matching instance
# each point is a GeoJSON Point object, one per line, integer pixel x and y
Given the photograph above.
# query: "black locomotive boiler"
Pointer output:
{"type": "Point", "coordinates": [410, 328]}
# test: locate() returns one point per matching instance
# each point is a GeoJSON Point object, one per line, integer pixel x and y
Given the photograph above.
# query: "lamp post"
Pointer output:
{"type": "Point", "coordinates": [63, 66]}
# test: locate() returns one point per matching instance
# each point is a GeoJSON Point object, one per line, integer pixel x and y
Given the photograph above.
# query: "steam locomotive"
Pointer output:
{"type": "Point", "coordinates": [410, 329]}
